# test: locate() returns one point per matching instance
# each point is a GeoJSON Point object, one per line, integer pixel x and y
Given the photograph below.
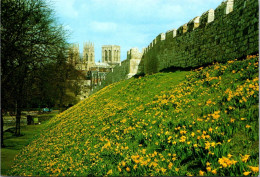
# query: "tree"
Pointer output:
{"type": "Point", "coordinates": [52, 83]}
{"type": "Point", "coordinates": [31, 40]}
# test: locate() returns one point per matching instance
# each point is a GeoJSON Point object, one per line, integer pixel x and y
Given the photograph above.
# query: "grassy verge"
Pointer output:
{"type": "Point", "coordinates": [13, 144]}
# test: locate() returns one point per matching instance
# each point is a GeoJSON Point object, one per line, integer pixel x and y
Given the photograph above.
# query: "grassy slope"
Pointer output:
{"type": "Point", "coordinates": [13, 145]}
{"type": "Point", "coordinates": [202, 122]}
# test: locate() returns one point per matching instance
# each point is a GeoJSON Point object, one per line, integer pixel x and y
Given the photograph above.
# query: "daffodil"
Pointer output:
{"type": "Point", "coordinates": [248, 126]}
{"type": "Point", "coordinates": [254, 169]}
{"type": "Point", "coordinates": [229, 155]}
{"type": "Point", "coordinates": [201, 173]}
{"type": "Point", "coordinates": [208, 164]}
{"type": "Point", "coordinates": [246, 173]}
{"type": "Point", "coordinates": [170, 165]}
{"type": "Point", "coordinates": [192, 134]}
{"type": "Point", "coordinates": [109, 172]}
{"type": "Point", "coordinates": [214, 171]}
{"type": "Point", "coordinates": [245, 158]}
{"type": "Point", "coordinates": [163, 170]}
{"type": "Point", "coordinates": [123, 164]}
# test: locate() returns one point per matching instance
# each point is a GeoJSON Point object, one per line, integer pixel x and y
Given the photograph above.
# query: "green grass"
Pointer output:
{"type": "Point", "coordinates": [13, 145]}
{"type": "Point", "coordinates": [200, 122]}
{"type": "Point", "coordinates": [47, 116]}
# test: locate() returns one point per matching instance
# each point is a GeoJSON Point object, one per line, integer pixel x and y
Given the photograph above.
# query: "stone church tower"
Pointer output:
{"type": "Point", "coordinates": [73, 54]}
{"type": "Point", "coordinates": [88, 55]}
{"type": "Point", "coordinates": [111, 54]}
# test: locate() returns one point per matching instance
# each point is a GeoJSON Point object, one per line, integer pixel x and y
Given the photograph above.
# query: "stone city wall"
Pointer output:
{"type": "Point", "coordinates": [228, 32]}
{"type": "Point", "coordinates": [125, 70]}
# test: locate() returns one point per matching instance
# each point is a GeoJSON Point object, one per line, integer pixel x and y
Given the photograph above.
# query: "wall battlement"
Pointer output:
{"type": "Point", "coordinates": [228, 32]}
{"type": "Point", "coordinates": [207, 17]}
{"type": "Point", "coordinates": [134, 53]}
{"type": "Point", "coordinates": [127, 69]}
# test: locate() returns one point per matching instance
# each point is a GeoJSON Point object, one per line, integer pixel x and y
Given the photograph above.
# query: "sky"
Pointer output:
{"type": "Point", "coordinates": [127, 23]}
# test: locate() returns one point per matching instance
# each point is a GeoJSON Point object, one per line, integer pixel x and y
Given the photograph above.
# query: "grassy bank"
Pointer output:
{"type": "Point", "coordinates": [200, 122]}
{"type": "Point", "coordinates": [13, 144]}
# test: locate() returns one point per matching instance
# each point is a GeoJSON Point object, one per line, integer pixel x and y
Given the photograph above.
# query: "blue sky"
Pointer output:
{"type": "Point", "coordinates": [127, 23]}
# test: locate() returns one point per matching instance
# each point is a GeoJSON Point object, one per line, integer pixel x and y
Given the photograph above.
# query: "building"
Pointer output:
{"type": "Point", "coordinates": [111, 54]}
{"type": "Point", "coordinates": [73, 54]}
{"type": "Point", "coordinates": [95, 72]}
{"type": "Point", "coordinates": [98, 73]}
{"type": "Point", "coordinates": [88, 55]}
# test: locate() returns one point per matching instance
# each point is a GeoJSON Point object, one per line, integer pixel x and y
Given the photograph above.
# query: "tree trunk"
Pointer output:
{"type": "Point", "coordinates": [2, 129]}
{"type": "Point", "coordinates": [61, 99]}
{"type": "Point", "coordinates": [18, 120]}
{"type": "Point", "coordinates": [19, 110]}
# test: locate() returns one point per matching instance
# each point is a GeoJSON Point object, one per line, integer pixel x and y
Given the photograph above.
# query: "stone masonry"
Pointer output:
{"type": "Point", "coordinates": [230, 31]}
{"type": "Point", "coordinates": [125, 70]}
{"type": "Point", "coordinates": [111, 54]}
{"type": "Point", "coordinates": [88, 55]}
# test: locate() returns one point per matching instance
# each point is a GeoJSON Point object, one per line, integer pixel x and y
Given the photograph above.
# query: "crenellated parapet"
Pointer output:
{"type": "Point", "coordinates": [134, 53]}
{"type": "Point", "coordinates": [224, 8]}
{"type": "Point", "coordinates": [171, 34]}
{"type": "Point", "coordinates": [229, 31]}
{"type": "Point", "coordinates": [182, 29]}
{"type": "Point", "coordinates": [229, 6]}
{"type": "Point", "coordinates": [193, 24]}
{"type": "Point", "coordinates": [207, 17]}
{"type": "Point", "coordinates": [132, 61]}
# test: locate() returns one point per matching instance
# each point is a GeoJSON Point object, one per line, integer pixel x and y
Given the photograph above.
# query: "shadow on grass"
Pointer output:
{"type": "Point", "coordinates": [14, 144]}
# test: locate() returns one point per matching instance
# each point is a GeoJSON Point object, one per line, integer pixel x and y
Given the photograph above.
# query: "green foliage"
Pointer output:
{"type": "Point", "coordinates": [34, 72]}
{"type": "Point", "coordinates": [200, 122]}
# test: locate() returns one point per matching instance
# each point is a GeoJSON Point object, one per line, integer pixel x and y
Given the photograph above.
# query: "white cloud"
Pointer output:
{"type": "Point", "coordinates": [103, 26]}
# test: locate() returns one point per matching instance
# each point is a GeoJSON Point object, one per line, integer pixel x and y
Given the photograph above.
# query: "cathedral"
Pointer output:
{"type": "Point", "coordinates": [95, 72]}
{"type": "Point", "coordinates": [110, 56]}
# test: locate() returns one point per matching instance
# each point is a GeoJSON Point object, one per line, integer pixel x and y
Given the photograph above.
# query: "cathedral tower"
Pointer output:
{"type": "Point", "coordinates": [73, 52]}
{"type": "Point", "coordinates": [111, 54]}
{"type": "Point", "coordinates": [88, 55]}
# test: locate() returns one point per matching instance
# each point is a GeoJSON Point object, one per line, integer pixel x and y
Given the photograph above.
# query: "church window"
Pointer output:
{"type": "Point", "coordinates": [115, 55]}
{"type": "Point", "coordinates": [105, 55]}
{"type": "Point", "coordinates": [110, 57]}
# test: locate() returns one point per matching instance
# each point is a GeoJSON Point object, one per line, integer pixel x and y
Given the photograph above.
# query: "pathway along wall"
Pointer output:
{"type": "Point", "coordinates": [230, 31]}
